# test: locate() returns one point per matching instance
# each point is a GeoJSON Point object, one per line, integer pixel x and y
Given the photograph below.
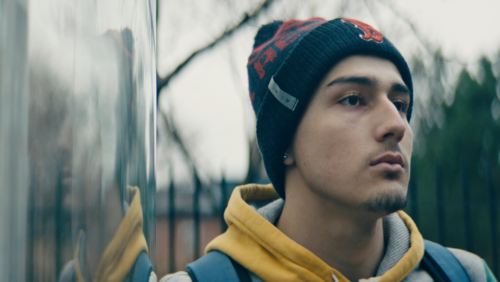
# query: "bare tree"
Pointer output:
{"type": "Point", "coordinates": [293, 9]}
{"type": "Point", "coordinates": [254, 161]}
{"type": "Point", "coordinates": [246, 18]}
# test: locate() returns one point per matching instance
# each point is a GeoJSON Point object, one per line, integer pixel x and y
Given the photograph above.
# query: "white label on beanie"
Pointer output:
{"type": "Point", "coordinates": [286, 99]}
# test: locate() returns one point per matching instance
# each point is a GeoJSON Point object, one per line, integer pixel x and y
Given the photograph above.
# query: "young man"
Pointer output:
{"type": "Point", "coordinates": [333, 101]}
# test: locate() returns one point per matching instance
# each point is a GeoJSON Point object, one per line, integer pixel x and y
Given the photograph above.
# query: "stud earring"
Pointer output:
{"type": "Point", "coordinates": [285, 156]}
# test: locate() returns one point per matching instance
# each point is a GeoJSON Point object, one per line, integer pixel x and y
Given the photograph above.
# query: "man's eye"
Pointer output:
{"type": "Point", "coordinates": [401, 106]}
{"type": "Point", "coordinates": [351, 101]}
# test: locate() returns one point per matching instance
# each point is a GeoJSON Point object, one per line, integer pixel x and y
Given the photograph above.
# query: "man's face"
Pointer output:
{"type": "Point", "coordinates": [353, 145]}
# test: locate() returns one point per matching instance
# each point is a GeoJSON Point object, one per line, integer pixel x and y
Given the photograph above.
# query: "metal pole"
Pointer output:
{"type": "Point", "coordinates": [171, 222]}
{"type": "Point", "coordinates": [466, 206]}
{"type": "Point", "coordinates": [440, 204]}
{"type": "Point", "coordinates": [223, 203]}
{"type": "Point", "coordinates": [196, 217]}
{"type": "Point", "coordinates": [413, 196]}
{"type": "Point", "coordinates": [58, 224]}
{"type": "Point", "coordinates": [493, 219]}
{"type": "Point", "coordinates": [31, 227]}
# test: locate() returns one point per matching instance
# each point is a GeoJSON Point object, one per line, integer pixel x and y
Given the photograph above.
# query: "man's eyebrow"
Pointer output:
{"type": "Point", "coordinates": [360, 80]}
{"type": "Point", "coordinates": [397, 87]}
{"type": "Point", "coordinates": [367, 81]}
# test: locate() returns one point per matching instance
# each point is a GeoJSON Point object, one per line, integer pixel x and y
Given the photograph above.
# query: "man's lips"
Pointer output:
{"type": "Point", "coordinates": [390, 161]}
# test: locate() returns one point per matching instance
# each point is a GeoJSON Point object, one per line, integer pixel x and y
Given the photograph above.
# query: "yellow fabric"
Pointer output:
{"type": "Point", "coordinates": [78, 271]}
{"type": "Point", "coordinates": [123, 250]}
{"type": "Point", "coordinates": [263, 249]}
{"type": "Point", "coordinates": [412, 258]}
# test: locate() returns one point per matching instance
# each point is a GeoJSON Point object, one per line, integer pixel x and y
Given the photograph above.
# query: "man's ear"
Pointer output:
{"type": "Point", "coordinates": [288, 158]}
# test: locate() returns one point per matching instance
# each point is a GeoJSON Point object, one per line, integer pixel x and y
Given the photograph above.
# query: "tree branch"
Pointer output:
{"type": "Point", "coordinates": [177, 139]}
{"type": "Point", "coordinates": [415, 31]}
{"type": "Point", "coordinates": [162, 82]}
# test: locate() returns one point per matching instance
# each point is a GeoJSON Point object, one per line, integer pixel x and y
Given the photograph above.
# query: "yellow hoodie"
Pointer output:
{"type": "Point", "coordinates": [120, 255]}
{"type": "Point", "coordinates": [264, 250]}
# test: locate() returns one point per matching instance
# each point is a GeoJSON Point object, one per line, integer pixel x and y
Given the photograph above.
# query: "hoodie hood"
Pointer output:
{"type": "Point", "coordinates": [263, 249]}
{"type": "Point", "coordinates": [123, 250]}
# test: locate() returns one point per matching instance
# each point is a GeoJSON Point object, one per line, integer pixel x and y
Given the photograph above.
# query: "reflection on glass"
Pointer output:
{"type": "Point", "coordinates": [14, 171]}
{"type": "Point", "coordinates": [90, 136]}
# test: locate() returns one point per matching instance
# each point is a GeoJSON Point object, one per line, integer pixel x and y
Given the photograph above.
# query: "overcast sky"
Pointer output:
{"type": "Point", "coordinates": [209, 100]}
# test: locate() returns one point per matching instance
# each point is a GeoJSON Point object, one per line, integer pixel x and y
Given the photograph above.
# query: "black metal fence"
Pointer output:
{"type": "Point", "coordinates": [196, 216]}
{"type": "Point", "coordinates": [439, 218]}
{"type": "Point", "coordinates": [466, 223]}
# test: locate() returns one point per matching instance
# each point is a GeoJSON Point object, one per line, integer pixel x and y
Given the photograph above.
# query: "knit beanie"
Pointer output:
{"type": "Point", "coordinates": [288, 61]}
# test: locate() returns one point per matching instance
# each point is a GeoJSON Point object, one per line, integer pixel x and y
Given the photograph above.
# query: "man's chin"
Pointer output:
{"type": "Point", "coordinates": [386, 203]}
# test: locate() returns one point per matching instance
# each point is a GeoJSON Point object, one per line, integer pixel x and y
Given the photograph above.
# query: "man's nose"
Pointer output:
{"type": "Point", "coordinates": [390, 124]}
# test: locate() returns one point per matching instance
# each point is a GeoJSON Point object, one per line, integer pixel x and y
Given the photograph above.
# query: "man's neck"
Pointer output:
{"type": "Point", "coordinates": [347, 241]}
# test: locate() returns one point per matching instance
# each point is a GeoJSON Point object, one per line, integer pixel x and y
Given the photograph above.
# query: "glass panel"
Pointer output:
{"type": "Point", "coordinates": [14, 169]}
{"type": "Point", "coordinates": [80, 115]}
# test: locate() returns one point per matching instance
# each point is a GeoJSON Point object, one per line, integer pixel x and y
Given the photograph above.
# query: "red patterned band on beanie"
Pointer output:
{"type": "Point", "coordinates": [369, 33]}
{"type": "Point", "coordinates": [286, 34]}
{"type": "Point", "coordinates": [272, 47]}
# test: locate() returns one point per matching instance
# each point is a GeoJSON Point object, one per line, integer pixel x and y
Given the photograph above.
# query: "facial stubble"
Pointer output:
{"type": "Point", "coordinates": [387, 201]}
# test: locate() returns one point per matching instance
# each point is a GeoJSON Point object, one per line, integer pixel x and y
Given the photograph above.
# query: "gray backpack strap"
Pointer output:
{"type": "Point", "coordinates": [140, 271]}
{"type": "Point", "coordinates": [68, 272]}
{"type": "Point", "coordinates": [217, 266]}
{"type": "Point", "coordinates": [142, 268]}
{"type": "Point", "coordinates": [442, 265]}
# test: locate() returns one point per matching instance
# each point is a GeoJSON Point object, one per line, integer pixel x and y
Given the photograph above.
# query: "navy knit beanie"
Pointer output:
{"type": "Point", "coordinates": [287, 63]}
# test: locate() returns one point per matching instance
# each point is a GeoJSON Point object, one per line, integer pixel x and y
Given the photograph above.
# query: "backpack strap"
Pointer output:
{"type": "Point", "coordinates": [142, 268]}
{"type": "Point", "coordinates": [68, 272]}
{"type": "Point", "coordinates": [217, 266]}
{"type": "Point", "coordinates": [442, 265]}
